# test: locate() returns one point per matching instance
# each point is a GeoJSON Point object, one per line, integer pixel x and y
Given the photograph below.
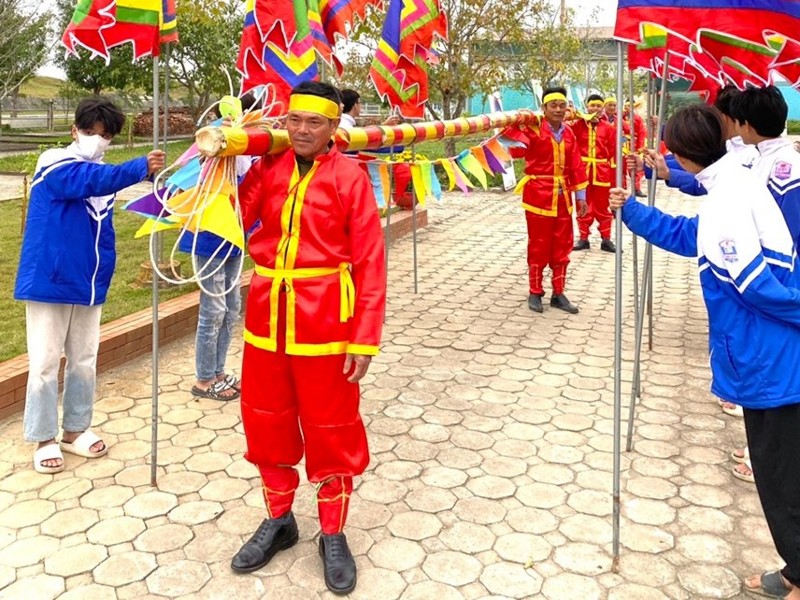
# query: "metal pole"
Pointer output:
{"type": "Point", "coordinates": [154, 405]}
{"type": "Point", "coordinates": [414, 222]}
{"type": "Point", "coordinates": [618, 329]}
{"type": "Point", "coordinates": [387, 231]}
{"type": "Point", "coordinates": [647, 280]}
{"type": "Point", "coordinates": [635, 243]}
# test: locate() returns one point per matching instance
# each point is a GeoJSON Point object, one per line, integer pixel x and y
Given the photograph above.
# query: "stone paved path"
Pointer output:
{"type": "Point", "coordinates": [491, 436]}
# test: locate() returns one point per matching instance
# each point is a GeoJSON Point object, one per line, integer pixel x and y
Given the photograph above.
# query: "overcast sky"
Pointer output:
{"type": "Point", "coordinates": [583, 8]}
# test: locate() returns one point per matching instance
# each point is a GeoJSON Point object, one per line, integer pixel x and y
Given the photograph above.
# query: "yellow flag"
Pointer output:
{"type": "Point", "coordinates": [418, 183]}
{"type": "Point", "coordinates": [220, 219]}
{"type": "Point", "coordinates": [473, 167]}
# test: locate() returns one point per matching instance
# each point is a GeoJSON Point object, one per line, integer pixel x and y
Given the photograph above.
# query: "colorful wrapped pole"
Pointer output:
{"type": "Point", "coordinates": [231, 141]}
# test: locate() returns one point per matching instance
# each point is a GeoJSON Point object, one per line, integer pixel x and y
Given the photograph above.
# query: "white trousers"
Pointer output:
{"type": "Point", "coordinates": [52, 329]}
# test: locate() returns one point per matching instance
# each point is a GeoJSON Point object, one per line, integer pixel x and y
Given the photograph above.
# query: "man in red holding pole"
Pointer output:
{"type": "Point", "coordinates": [314, 317]}
{"type": "Point", "coordinates": [597, 141]}
{"type": "Point", "coordinates": [553, 171]}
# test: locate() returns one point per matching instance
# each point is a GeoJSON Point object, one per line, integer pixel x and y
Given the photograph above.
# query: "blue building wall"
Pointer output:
{"type": "Point", "coordinates": [792, 97]}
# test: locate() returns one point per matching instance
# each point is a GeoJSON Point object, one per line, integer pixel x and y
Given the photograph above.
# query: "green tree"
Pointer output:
{"type": "Point", "coordinates": [25, 42]}
{"type": "Point", "coordinates": [93, 74]}
{"type": "Point", "coordinates": [209, 41]}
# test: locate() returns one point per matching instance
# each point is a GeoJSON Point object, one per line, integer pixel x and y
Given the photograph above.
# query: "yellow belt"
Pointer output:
{"type": "Point", "coordinates": [527, 178]}
{"type": "Point", "coordinates": [594, 160]}
{"type": "Point", "coordinates": [347, 291]}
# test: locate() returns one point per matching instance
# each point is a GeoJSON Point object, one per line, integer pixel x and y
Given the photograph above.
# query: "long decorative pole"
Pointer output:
{"type": "Point", "coordinates": [414, 224]}
{"type": "Point", "coordinates": [154, 398]}
{"type": "Point", "coordinates": [635, 243]}
{"type": "Point", "coordinates": [648, 263]}
{"type": "Point", "coordinates": [618, 329]}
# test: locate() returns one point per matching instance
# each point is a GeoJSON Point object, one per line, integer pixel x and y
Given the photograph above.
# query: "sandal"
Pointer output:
{"type": "Point", "coordinates": [49, 452]}
{"type": "Point", "coordinates": [233, 382]}
{"type": "Point", "coordinates": [772, 585]}
{"type": "Point", "coordinates": [744, 476]}
{"type": "Point", "coordinates": [740, 458]}
{"type": "Point", "coordinates": [216, 391]}
{"type": "Point", "coordinates": [82, 445]}
{"type": "Point", "coordinates": [729, 408]}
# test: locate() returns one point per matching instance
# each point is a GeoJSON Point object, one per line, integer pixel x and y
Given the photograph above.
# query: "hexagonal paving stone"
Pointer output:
{"type": "Point", "coordinates": [41, 587]}
{"type": "Point", "coordinates": [24, 481]}
{"type": "Point", "coordinates": [414, 525]}
{"type": "Point", "coordinates": [90, 592]}
{"type": "Point", "coordinates": [513, 581]}
{"type": "Point", "coordinates": [523, 548]}
{"type": "Point", "coordinates": [425, 590]}
{"type": "Point", "coordinates": [115, 531]}
{"type": "Point", "coordinates": [582, 558]}
{"type": "Point", "coordinates": [178, 578]}
{"type": "Point", "coordinates": [69, 521]}
{"type": "Point", "coordinates": [125, 568]}
{"type": "Point", "coordinates": [163, 538]}
{"type": "Point", "coordinates": [452, 568]}
{"type": "Point", "coordinates": [208, 462]}
{"type": "Point", "coordinates": [113, 495]}
{"type": "Point", "coordinates": [28, 512]}
{"type": "Point", "coordinates": [194, 513]}
{"type": "Point", "coordinates": [182, 482]}
{"type": "Point", "coordinates": [28, 551]}
{"type": "Point", "coordinates": [431, 499]}
{"type": "Point", "coordinates": [224, 489]}
{"type": "Point", "coordinates": [150, 504]}
{"type": "Point", "coordinates": [396, 554]}
{"type": "Point", "coordinates": [75, 560]}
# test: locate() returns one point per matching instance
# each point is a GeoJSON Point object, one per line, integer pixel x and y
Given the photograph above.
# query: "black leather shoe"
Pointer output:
{"type": "Point", "coordinates": [272, 536]}
{"type": "Point", "coordinates": [608, 246]}
{"type": "Point", "coordinates": [561, 301]}
{"type": "Point", "coordinates": [581, 245]}
{"type": "Point", "coordinates": [535, 303]}
{"type": "Point", "coordinates": [337, 563]}
{"type": "Point", "coordinates": [640, 194]}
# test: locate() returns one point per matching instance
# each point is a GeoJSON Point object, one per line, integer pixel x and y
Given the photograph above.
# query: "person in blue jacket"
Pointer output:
{"type": "Point", "coordinates": [66, 264]}
{"type": "Point", "coordinates": [747, 266]}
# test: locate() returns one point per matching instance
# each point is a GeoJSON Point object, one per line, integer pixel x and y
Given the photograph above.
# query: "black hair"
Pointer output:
{"type": "Point", "coordinates": [696, 132]}
{"type": "Point", "coordinates": [725, 98]}
{"type": "Point", "coordinates": [318, 88]}
{"type": "Point", "coordinates": [594, 98]}
{"type": "Point", "coordinates": [99, 110]}
{"type": "Point", "coordinates": [349, 99]}
{"type": "Point", "coordinates": [763, 108]}
{"type": "Point", "coordinates": [554, 90]}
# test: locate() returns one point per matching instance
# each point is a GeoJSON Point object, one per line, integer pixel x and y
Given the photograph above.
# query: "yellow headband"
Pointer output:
{"type": "Point", "coordinates": [611, 100]}
{"type": "Point", "coordinates": [595, 104]}
{"type": "Point", "coordinates": [314, 104]}
{"type": "Point", "coordinates": [553, 96]}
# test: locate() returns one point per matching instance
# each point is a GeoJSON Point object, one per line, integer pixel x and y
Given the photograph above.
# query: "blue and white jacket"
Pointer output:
{"type": "Point", "coordinates": [68, 252]}
{"type": "Point", "coordinates": [746, 260]}
{"type": "Point", "coordinates": [778, 164]}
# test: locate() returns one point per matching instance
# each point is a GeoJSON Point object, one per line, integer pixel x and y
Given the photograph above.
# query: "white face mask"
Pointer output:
{"type": "Point", "coordinates": [92, 147]}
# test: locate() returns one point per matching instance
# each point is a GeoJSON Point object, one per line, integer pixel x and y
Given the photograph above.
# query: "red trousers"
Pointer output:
{"type": "Point", "coordinates": [597, 200]}
{"type": "Point", "coordinates": [293, 405]}
{"type": "Point", "coordinates": [549, 243]}
{"type": "Point", "coordinates": [638, 180]}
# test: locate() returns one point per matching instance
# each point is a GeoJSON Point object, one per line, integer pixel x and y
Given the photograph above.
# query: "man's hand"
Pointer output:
{"type": "Point", "coordinates": [361, 362]}
{"type": "Point", "coordinates": [156, 161]}
{"type": "Point", "coordinates": [616, 198]}
{"type": "Point", "coordinates": [634, 163]}
{"type": "Point", "coordinates": [393, 120]}
{"type": "Point", "coordinates": [655, 160]}
{"type": "Point", "coordinates": [583, 208]}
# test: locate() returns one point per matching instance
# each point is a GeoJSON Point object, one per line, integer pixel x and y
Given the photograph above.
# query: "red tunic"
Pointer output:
{"type": "Point", "coordinates": [551, 168]}
{"type": "Point", "coordinates": [597, 143]}
{"type": "Point", "coordinates": [320, 237]}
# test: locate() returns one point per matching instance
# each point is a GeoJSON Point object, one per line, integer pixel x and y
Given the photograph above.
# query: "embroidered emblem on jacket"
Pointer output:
{"type": "Point", "coordinates": [782, 170]}
{"type": "Point", "coordinates": [728, 248]}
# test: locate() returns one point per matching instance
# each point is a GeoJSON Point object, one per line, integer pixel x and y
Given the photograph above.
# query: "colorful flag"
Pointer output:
{"type": "Point", "coordinates": [99, 25]}
{"type": "Point", "coordinates": [399, 70]}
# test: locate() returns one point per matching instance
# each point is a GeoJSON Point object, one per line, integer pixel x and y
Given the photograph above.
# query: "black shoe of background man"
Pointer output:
{"type": "Point", "coordinates": [608, 246]}
{"type": "Point", "coordinates": [535, 303]}
{"type": "Point", "coordinates": [640, 194]}
{"type": "Point", "coordinates": [272, 536]}
{"type": "Point", "coordinates": [581, 245]}
{"type": "Point", "coordinates": [562, 302]}
{"type": "Point", "coordinates": [337, 563]}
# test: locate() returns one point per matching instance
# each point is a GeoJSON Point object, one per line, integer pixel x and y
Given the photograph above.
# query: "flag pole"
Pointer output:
{"type": "Point", "coordinates": [617, 329]}
{"type": "Point", "coordinates": [636, 316]}
{"type": "Point", "coordinates": [647, 272]}
{"type": "Point", "coordinates": [154, 400]}
{"type": "Point", "coordinates": [414, 221]}
{"type": "Point", "coordinates": [387, 229]}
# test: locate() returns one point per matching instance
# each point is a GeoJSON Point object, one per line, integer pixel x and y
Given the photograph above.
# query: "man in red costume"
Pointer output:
{"type": "Point", "coordinates": [639, 130]}
{"type": "Point", "coordinates": [597, 142]}
{"type": "Point", "coordinates": [314, 317]}
{"type": "Point", "coordinates": [553, 171]}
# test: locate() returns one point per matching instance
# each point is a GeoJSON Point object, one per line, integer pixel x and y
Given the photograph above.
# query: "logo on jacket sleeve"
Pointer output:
{"type": "Point", "coordinates": [782, 170]}
{"type": "Point", "coordinates": [728, 248]}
